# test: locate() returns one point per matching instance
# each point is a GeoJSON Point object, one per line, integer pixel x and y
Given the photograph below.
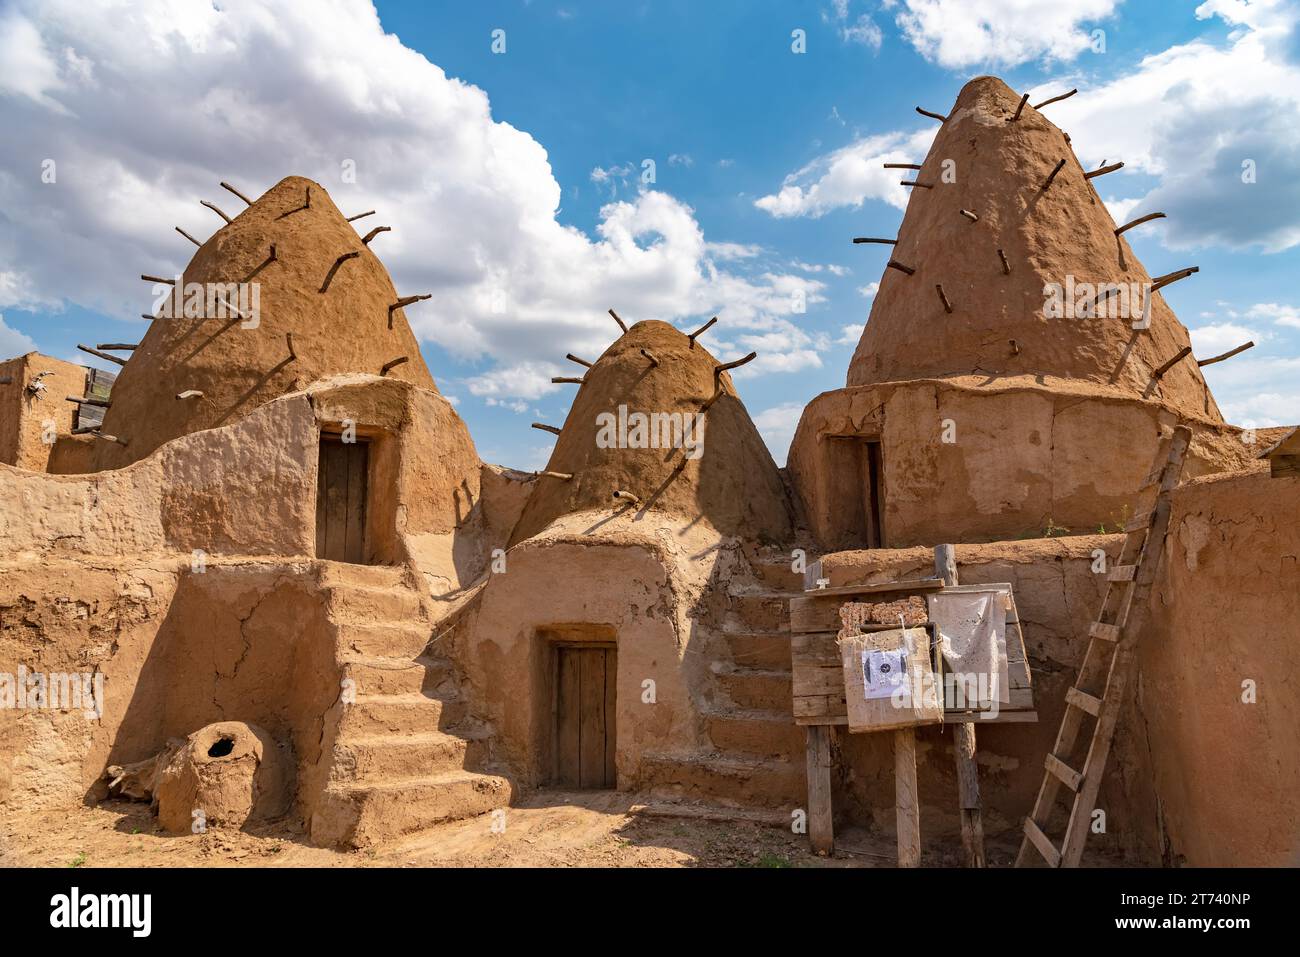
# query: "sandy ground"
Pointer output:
{"type": "Point", "coordinates": [549, 829]}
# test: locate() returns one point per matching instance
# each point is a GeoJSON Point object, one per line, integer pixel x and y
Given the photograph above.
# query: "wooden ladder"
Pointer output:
{"type": "Point", "coordinates": [1098, 691]}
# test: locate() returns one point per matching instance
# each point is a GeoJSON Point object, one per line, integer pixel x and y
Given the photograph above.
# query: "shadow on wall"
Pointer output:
{"type": "Point", "coordinates": [237, 644]}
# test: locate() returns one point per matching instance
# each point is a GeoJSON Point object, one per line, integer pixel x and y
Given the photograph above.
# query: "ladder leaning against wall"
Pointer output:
{"type": "Point", "coordinates": [1098, 692]}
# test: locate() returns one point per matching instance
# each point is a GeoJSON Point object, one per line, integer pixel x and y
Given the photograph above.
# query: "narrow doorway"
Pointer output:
{"type": "Point", "coordinates": [855, 490]}
{"type": "Point", "coordinates": [341, 482]}
{"type": "Point", "coordinates": [585, 708]}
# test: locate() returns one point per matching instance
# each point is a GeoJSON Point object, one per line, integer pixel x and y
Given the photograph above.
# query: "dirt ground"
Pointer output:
{"type": "Point", "coordinates": [549, 829]}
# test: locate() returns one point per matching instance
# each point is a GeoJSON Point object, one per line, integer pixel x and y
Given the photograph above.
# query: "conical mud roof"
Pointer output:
{"type": "Point", "coordinates": [998, 325]}
{"type": "Point", "coordinates": [733, 483]}
{"type": "Point", "coordinates": [237, 365]}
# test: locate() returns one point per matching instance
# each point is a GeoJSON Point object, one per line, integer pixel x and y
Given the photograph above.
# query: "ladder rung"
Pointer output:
{"type": "Point", "coordinates": [1083, 701]}
{"type": "Point", "coordinates": [1122, 573]}
{"type": "Point", "coordinates": [1040, 841]}
{"type": "Point", "coordinates": [1063, 772]}
{"type": "Point", "coordinates": [1138, 523]}
{"type": "Point", "coordinates": [1103, 631]}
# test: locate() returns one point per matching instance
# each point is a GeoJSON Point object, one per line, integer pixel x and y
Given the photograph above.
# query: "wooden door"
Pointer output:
{"type": "Point", "coordinates": [585, 716]}
{"type": "Point", "coordinates": [341, 500]}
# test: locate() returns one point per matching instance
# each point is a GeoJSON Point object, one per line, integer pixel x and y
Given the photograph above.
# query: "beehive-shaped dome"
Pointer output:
{"type": "Point", "coordinates": [732, 482]}
{"type": "Point", "coordinates": [995, 168]}
{"type": "Point", "coordinates": [289, 243]}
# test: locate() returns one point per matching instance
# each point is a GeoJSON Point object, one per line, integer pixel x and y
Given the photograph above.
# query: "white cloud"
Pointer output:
{"type": "Point", "coordinates": [1275, 312]}
{"type": "Point", "coordinates": [851, 334]}
{"type": "Point", "coordinates": [681, 159]}
{"type": "Point", "coordinates": [176, 96]}
{"type": "Point", "coordinates": [777, 425]}
{"type": "Point", "coordinates": [12, 342]}
{"type": "Point", "coordinates": [849, 176]}
{"type": "Point", "coordinates": [1258, 391]}
{"type": "Point", "coordinates": [1189, 116]}
{"type": "Point", "coordinates": [869, 290]}
{"type": "Point", "coordinates": [1217, 338]}
{"type": "Point", "coordinates": [962, 33]}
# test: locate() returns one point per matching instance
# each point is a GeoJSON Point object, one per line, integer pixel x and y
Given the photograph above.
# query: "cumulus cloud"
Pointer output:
{"type": "Point", "coordinates": [962, 33]}
{"type": "Point", "coordinates": [1220, 337]}
{"type": "Point", "coordinates": [849, 176]}
{"type": "Point", "coordinates": [13, 342]}
{"type": "Point", "coordinates": [777, 425]}
{"type": "Point", "coordinates": [146, 107]}
{"type": "Point", "coordinates": [1213, 121]}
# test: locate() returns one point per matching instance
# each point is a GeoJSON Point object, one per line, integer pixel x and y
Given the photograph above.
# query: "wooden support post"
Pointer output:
{"type": "Point", "coordinates": [147, 278]}
{"type": "Point", "coordinates": [1183, 353]}
{"type": "Point", "coordinates": [947, 306]}
{"type": "Point", "coordinates": [821, 825]}
{"type": "Point", "coordinates": [392, 364]}
{"type": "Point", "coordinates": [562, 476]}
{"type": "Point", "coordinates": [1138, 222]}
{"type": "Point", "coordinates": [895, 264]}
{"type": "Point", "coordinates": [288, 341]}
{"type": "Point", "coordinates": [365, 240]}
{"type": "Point", "coordinates": [873, 239]}
{"type": "Point", "coordinates": [1055, 99]}
{"type": "Point", "coordinates": [700, 331]}
{"type": "Point", "coordinates": [912, 182]}
{"type": "Point", "coordinates": [907, 808]}
{"type": "Point", "coordinates": [902, 166]}
{"type": "Point", "coordinates": [1006, 266]}
{"type": "Point", "coordinates": [403, 303]}
{"type": "Point", "coordinates": [963, 746]}
{"type": "Point", "coordinates": [546, 428]}
{"type": "Point", "coordinates": [101, 355]}
{"type": "Point", "coordinates": [225, 185]}
{"type": "Point", "coordinates": [370, 212]}
{"type": "Point", "coordinates": [1227, 355]}
{"type": "Point", "coordinates": [622, 325]}
{"type": "Point", "coordinates": [1171, 277]}
{"type": "Point", "coordinates": [123, 346]}
{"type": "Point", "coordinates": [89, 400]}
{"type": "Point", "coordinates": [557, 380]}
{"type": "Point", "coordinates": [582, 362]}
{"type": "Point", "coordinates": [1015, 116]}
{"type": "Point", "coordinates": [338, 263]}
{"type": "Point", "coordinates": [189, 394]}
{"type": "Point", "coordinates": [933, 116]}
{"type": "Point", "coordinates": [1052, 175]}
{"type": "Point", "coordinates": [188, 236]}
{"type": "Point", "coordinates": [212, 207]}
{"type": "Point", "coordinates": [626, 497]}
{"type": "Point", "coordinates": [718, 370]}
{"type": "Point", "coordinates": [654, 363]}
{"type": "Point", "coordinates": [973, 217]}
{"type": "Point", "coordinates": [1103, 170]}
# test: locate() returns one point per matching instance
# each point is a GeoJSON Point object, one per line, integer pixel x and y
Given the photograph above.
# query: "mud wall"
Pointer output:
{"type": "Point", "coordinates": [1058, 594]}
{"type": "Point", "coordinates": [1226, 621]}
{"type": "Point", "coordinates": [629, 586]}
{"type": "Point", "coordinates": [177, 649]}
{"type": "Point", "coordinates": [24, 417]}
{"type": "Point", "coordinates": [1024, 461]}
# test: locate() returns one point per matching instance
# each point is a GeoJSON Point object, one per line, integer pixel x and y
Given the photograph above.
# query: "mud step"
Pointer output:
{"type": "Point", "coordinates": [375, 758]}
{"type": "Point", "coordinates": [364, 604]}
{"type": "Point", "coordinates": [756, 732]}
{"type": "Point", "coordinates": [777, 574]}
{"type": "Point", "coordinates": [379, 675]}
{"type": "Point", "coordinates": [758, 611]}
{"type": "Point", "coordinates": [358, 815]}
{"type": "Point", "coordinates": [346, 574]}
{"type": "Point", "coordinates": [767, 650]}
{"type": "Point", "coordinates": [391, 640]}
{"type": "Point", "coordinates": [398, 714]}
{"type": "Point", "coordinates": [755, 689]}
{"type": "Point", "coordinates": [731, 779]}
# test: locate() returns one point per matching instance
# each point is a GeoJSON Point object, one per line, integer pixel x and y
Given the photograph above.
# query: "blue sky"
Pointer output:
{"type": "Point", "coordinates": [520, 172]}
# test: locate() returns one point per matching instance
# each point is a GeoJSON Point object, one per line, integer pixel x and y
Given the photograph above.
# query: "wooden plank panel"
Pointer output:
{"type": "Point", "coordinates": [820, 680]}
{"type": "Point", "coordinates": [354, 520]}
{"type": "Point", "coordinates": [566, 718]}
{"type": "Point", "coordinates": [914, 584]}
{"type": "Point", "coordinates": [907, 803]}
{"type": "Point", "coordinates": [1042, 844]}
{"type": "Point", "coordinates": [336, 488]}
{"type": "Point", "coordinates": [611, 716]}
{"type": "Point", "coordinates": [1083, 700]}
{"type": "Point", "coordinates": [591, 717]}
{"type": "Point", "coordinates": [1062, 771]}
{"type": "Point", "coordinates": [322, 503]}
{"type": "Point", "coordinates": [821, 828]}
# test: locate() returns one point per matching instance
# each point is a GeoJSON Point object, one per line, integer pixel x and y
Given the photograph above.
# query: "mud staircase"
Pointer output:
{"type": "Point", "coordinates": [757, 750]}
{"type": "Point", "coordinates": [404, 748]}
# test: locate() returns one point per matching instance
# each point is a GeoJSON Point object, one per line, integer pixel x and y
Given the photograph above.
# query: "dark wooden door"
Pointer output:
{"type": "Point", "coordinates": [341, 500]}
{"type": "Point", "coordinates": [585, 716]}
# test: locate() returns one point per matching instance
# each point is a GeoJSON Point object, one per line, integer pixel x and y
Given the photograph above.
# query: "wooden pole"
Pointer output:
{"type": "Point", "coordinates": [907, 807]}
{"type": "Point", "coordinates": [902, 166]}
{"type": "Point", "coordinates": [700, 331]}
{"type": "Point", "coordinates": [211, 206]}
{"type": "Point", "coordinates": [616, 318]}
{"type": "Point", "coordinates": [225, 185]}
{"type": "Point", "coordinates": [873, 239]}
{"type": "Point", "coordinates": [968, 782]}
{"type": "Point", "coordinates": [1023, 100]}
{"type": "Point", "coordinates": [188, 236]}
{"type": "Point", "coordinates": [1054, 99]}
{"type": "Point", "coordinates": [895, 264]}
{"type": "Point", "coordinates": [1227, 355]}
{"type": "Point", "coordinates": [821, 824]}
{"type": "Point", "coordinates": [1103, 170]}
{"type": "Point", "coordinates": [393, 363]}
{"type": "Point", "coordinates": [1138, 222]}
{"type": "Point", "coordinates": [365, 240]}
{"type": "Point", "coordinates": [101, 355]}
{"type": "Point", "coordinates": [361, 215]}
{"type": "Point", "coordinates": [933, 116]}
{"type": "Point", "coordinates": [1052, 175]}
